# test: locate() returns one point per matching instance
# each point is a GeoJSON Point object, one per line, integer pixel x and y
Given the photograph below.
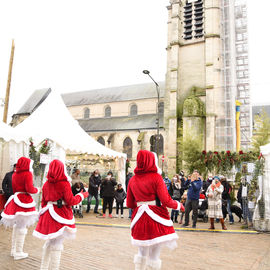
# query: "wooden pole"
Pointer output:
{"type": "Point", "coordinates": [8, 82]}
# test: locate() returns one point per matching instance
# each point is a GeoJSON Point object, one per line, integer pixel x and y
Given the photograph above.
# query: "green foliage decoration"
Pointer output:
{"type": "Point", "coordinates": [34, 154]}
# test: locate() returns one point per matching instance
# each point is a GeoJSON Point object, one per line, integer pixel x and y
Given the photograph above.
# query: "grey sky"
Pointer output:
{"type": "Point", "coordinates": [81, 45]}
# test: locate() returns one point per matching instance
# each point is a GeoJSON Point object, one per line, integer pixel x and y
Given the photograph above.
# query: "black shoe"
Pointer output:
{"type": "Point", "coordinates": [194, 226]}
{"type": "Point", "coordinates": [184, 225]}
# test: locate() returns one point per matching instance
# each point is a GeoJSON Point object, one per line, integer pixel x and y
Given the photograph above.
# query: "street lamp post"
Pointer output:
{"type": "Point", "coordinates": [147, 72]}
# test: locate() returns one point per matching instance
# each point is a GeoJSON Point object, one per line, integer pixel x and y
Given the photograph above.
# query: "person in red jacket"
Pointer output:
{"type": "Point", "coordinates": [56, 221]}
{"type": "Point", "coordinates": [151, 226]}
{"type": "Point", "coordinates": [20, 211]}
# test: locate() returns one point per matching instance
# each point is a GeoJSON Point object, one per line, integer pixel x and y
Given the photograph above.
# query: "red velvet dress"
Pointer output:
{"type": "Point", "coordinates": [20, 207]}
{"type": "Point", "coordinates": [54, 221]}
{"type": "Point", "coordinates": [150, 224]}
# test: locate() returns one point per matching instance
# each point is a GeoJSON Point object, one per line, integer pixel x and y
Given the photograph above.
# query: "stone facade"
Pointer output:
{"type": "Point", "coordinates": [194, 69]}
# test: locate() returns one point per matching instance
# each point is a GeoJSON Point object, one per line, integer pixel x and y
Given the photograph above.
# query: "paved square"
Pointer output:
{"type": "Point", "coordinates": [105, 244]}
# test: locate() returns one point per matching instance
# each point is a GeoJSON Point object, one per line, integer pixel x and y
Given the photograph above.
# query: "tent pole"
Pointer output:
{"type": "Point", "coordinates": [8, 82]}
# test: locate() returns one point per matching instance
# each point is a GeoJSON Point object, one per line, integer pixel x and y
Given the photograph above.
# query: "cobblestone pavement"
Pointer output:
{"type": "Point", "coordinates": [105, 244]}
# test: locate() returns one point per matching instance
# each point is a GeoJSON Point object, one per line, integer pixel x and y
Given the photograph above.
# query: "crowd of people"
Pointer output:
{"type": "Point", "coordinates": [148, 196]}
{"type": "Point", "coordinates": [212, 194]}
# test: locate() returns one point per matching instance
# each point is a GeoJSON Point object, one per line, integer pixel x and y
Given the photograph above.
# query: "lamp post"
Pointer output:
{"type": "Point", "coordinates": [147, 72]}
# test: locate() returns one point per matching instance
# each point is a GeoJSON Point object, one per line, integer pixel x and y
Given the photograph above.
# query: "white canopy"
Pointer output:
{"type": "Point", "coordinates": [7, 133]}
{"type": "Point", "coordinates": [12, 146]}
{"type": "Point", "coordinates": [53, 120]}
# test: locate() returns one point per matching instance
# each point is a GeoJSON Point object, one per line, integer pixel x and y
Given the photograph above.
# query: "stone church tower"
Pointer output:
{"type": "Point", "coordinates": [194, 94]}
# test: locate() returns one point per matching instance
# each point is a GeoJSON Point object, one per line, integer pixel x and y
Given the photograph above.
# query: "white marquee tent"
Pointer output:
{"type": "Point", "coordinates": [264, 188]}
{"type": "Point", "coordinates": [52, 120]}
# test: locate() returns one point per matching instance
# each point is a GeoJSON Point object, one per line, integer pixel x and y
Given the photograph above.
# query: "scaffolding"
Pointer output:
{"type": "Point", "coordinates": [235, 75]}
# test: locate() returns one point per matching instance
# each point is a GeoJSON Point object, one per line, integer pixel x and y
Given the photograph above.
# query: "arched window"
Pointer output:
{"type": "Point", "coordinates": [133, 110]}
{"type": "Point", "coordinates": [161, 108]}
{"type": "Point", "coordinates": [127, 147]}
{"type": "Point", "coordinates": [86, 113]}
{"type": "Point", "coordinates": [153, 144]}
{"type": "Point", "coordinates": [101, 140]}
{"type": "Point", "coordinates": [108, 111]}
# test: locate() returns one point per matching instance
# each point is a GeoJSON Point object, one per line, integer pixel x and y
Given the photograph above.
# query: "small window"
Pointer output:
{"type": "Point", "coordinates": [86, 113]}
{"type": "Point", "coordinates": [108, 111]}
{"type": "Point", "coordinates": [133, 110]}
{"type": "Point", "coordinates": [101, 140]}
{"type": "Point", "coordinates": [127, 147]}
{"type": "Point", "coordinates": [154, 142]}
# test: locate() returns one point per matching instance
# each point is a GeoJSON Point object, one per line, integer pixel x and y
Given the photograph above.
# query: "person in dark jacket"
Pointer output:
{"type": "Point", "coordinates": [120, 196]}
{"type": "Point", "coordinates": [176, 195]}
{"type": "Point", "coordinates": [206, 184]}
{"type": "Point", "coordinates": [77, 188]}
{"type": "Point", "coordinates": [107, 193]}
{"type": "Point", "coordinates": [227, 197]}
{"type": "Point", "coordinates": [128, 177]}
{"type": "Point", "coordinates": [93, 188]}
{"type": "Point", "coordinates": [7, 183]}
{"type": "Point", "coordinates": [194, 186]}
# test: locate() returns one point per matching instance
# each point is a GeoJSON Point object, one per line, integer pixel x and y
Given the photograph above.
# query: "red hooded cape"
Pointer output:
{"type": "Point", "coordinates": [55, 221]}
{"type": "Point", "coordinates": [154, 225]}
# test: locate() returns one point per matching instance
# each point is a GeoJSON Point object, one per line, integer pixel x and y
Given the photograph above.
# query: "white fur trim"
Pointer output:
{"type": "Point", "coordinates": [178, 206]}
{"type": "Point", "coordinates": [159, 171]}
{"type": "Point", "coordinates": [26, 214]}
{"type": "Point", "coordinates": [23, 218]}
{"type": "Point", "coordinates": [9, 200]}
{"type": "Point", "coordinates": [31, 169]}
{"type": "Point", "coordinates": [66, 231]}
{"type": "Point", "coordinates": [166, 239]}
{"type": "Point", "coordinates": [55, 216]}
{"type": "Point", "coordinates": [81, 195]}
{"type": "Point", "coordinates": [23, 205]}
{"type": "Point", "coordinates": [144, 208]}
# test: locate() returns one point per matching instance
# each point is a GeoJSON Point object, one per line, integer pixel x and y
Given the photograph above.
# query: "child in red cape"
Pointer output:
{"type": "Point", "coordinates": [151, 226]}
{"type": "Point", "coordinates": [19, 211]}
{"type": "Point", "coordinates": [56, 221]}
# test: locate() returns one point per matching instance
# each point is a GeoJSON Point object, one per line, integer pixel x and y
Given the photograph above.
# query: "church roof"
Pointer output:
{"type": "Point", "coordinates": [138, 122]}
{"type": "Point", "coordinates": [113, 94]}
{"type": "Point", "coordinates": [97, 96]}
{"type": "Point", "coordinates": [34, 101]}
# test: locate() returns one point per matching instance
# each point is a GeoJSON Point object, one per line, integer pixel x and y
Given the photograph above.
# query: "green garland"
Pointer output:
{"type": "Point", "coordinates": [223, 162]}
{"type": "Point", "coordinates": [34, 154]}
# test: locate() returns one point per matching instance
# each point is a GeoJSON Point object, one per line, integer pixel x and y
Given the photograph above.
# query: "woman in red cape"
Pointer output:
{"type": "Point", "coordinates": [20, 211]}
{"type": "Point", "coordinates": [151, 226]}
{"type": "Point", "coordinates": [56, 221]}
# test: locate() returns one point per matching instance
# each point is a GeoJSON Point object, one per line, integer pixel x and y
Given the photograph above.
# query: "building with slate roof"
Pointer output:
{"type": "Point", "coordinates": [122, 118]}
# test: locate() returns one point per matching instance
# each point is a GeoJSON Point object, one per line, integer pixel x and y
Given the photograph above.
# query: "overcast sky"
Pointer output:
{"type": "Point", "coordinates": [88, 44]}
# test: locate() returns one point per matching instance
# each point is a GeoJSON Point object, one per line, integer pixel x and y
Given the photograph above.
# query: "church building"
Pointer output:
{"type": "Point", "coordinates": [207, 71]}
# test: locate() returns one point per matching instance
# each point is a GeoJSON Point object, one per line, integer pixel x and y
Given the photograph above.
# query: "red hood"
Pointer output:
{"type": "Point", "coordinates": [23, 164]}
{"type": "Point", "coordinates": [146, 162]}
{"type": "Point", "coordinates": [56, 171]}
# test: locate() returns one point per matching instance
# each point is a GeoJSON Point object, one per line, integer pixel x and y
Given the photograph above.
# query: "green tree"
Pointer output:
{"type": "Point", "coordinates": [192, 149]}
{"type": "Point", "coordinates": [261, 133]}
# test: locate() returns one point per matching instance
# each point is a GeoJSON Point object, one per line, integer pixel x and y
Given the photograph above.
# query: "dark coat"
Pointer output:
{"type": "Point", "coordinates": [227, 190]}
{"type": "Point", "coordinates": [7, 184]}
{"type": "Point", "coordinates": [107, 187]}
{"type": "Point", "coordinates": [176, 192]}
{"type": "Point", "coordinates": [94, 183]}
{"type": "Point", "coordinates": [120, 195]}
{"type": "Point", "coordinates": [128, 177]}
{"type": "Point", "coordinates": [194, 189]}
{"type": "Point", "coordinates": [74, 188]}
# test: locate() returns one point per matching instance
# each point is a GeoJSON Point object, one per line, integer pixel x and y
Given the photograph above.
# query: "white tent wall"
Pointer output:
{"type": "Point", "coordinates": [10, 152]}
{"type": "Point", "coordinates": [52, 120]}
{"type": "Point", "coordinates": [264, 186]}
